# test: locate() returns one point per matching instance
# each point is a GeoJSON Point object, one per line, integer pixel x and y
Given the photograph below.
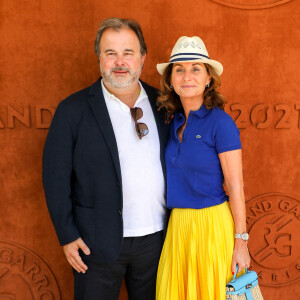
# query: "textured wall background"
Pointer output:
{"type": "Point", "coordinates": [46, 53]}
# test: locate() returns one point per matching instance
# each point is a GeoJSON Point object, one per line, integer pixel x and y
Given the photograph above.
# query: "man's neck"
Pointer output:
{"type": "Point", "coordinates": [128, 96]}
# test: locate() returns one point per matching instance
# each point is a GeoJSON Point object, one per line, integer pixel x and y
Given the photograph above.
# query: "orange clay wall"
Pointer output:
{"type": "Point", "coordinates": [47, 53]}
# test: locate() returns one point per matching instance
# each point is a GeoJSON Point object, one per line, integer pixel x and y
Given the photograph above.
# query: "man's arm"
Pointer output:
{"type": "Point", "coordinates": [57, 172]}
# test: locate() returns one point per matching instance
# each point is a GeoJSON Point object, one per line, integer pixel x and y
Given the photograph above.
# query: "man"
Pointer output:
{"type": "Point", "coordinates": [103, 172]}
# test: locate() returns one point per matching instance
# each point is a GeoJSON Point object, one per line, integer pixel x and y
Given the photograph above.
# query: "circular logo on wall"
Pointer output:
{"type": "Point", "coordinates": [251, 4]}
{"type": "Point", "coordinates": [24, 275]}
{"type": "Point", "coordinates": [273, 222]}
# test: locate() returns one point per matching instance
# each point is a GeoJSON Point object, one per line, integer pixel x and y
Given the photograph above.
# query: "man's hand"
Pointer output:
{"type": "Point", "coordinates": [73, 257]}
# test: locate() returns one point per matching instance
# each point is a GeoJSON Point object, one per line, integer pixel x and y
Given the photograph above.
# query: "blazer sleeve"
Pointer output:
{"type": "Point", "coordinates": [57, 173]}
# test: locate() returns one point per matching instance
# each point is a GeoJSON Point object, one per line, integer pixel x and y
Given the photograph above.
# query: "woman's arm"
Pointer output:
{"type": "Point", "coordinates": [231, 162]}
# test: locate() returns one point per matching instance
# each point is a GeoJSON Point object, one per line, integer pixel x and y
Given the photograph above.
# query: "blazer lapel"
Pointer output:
{"type": "Point", "coordinates": [100, 111]}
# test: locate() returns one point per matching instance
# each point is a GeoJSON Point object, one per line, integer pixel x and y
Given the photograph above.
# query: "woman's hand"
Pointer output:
{"type": "Point", "coordinates": [240, 256]}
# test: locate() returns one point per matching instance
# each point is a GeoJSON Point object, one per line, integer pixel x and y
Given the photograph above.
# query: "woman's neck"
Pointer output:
{"type": "Point", "coordinates": [190, 104]}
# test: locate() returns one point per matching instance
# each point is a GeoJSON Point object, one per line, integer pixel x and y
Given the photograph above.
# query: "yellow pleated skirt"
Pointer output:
{"type": "Point", "coordinates": [195, 263]}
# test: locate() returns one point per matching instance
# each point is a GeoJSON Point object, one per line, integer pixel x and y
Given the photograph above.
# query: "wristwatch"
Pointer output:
{"type": "Point", "coordinates": [244, 236]}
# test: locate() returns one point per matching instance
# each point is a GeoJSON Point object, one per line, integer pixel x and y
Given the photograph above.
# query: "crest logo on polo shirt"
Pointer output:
{"type": "Point", "coordinates": [251, 4]}
{"type": "Point", "coordinates": [24, 275]}
{"type": "Point", "coordinates": [273, 222]}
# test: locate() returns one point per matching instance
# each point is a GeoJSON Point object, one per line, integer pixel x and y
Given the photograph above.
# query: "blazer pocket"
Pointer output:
{"type": "Point", "coordinates": [84, 218]}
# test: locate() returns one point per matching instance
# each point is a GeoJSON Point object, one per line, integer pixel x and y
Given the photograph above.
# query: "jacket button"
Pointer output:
{"type": "Point", "coordinates": [120, 213]}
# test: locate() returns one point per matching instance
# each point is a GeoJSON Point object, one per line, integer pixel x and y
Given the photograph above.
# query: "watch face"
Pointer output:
{"type": "Point", "coordinates": [245, 236]}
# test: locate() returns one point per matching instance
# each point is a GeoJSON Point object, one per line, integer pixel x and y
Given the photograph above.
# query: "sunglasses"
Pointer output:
{"type": "Point", "coordinates": [141, 128]}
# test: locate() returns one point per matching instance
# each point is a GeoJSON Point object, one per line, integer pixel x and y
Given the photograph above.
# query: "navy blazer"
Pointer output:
{"type": "Point", "coordinates": [81, 171]}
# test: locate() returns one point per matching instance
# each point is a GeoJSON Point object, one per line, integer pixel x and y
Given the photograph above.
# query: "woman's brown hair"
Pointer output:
{"type": "Point", "coordinates": [170, 101]}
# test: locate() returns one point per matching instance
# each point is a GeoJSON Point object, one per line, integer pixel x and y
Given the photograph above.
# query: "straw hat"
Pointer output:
{"type": "Point", "coordinates": [189, 49]}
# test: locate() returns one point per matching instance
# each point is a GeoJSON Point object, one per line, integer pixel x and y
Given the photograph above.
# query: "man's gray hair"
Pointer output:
{"type": "Point", "coordinates": [117, 24]}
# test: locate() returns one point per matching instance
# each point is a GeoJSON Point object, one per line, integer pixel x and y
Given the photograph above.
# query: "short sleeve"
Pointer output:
{"type": "Point", "coordinates": [227, 136]}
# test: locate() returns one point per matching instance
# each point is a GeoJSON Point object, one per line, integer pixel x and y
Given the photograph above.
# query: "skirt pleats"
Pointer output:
{"type": "Point", "coordinates": [195, 263]}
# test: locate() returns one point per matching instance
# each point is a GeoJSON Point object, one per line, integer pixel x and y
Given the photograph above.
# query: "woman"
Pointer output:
{"type": "Point", "coordinates": [206, 235]}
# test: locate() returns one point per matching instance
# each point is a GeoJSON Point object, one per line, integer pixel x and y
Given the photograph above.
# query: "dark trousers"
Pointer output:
{"type": "Point", "coordinates": [137, 264]}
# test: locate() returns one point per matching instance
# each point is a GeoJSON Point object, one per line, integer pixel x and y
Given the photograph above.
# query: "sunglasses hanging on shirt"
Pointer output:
{"type": "Point", "coordinates": [141, 128]}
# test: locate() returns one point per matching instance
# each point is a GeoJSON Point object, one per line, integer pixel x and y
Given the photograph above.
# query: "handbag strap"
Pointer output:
{"type": "Point", "coordinates": [249, 295]}
{"type": "Point", "coordinates": [237, 267]}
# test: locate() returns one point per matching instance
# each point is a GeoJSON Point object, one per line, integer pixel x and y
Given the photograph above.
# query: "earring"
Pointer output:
{"type": "Point", "coordinates": [207, 85]}
{"type": "Point", "coordinates": [171, 86]}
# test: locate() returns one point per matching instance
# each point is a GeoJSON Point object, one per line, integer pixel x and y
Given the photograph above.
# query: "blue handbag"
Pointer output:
{"type": "Point", "coordinates": [244, 287]}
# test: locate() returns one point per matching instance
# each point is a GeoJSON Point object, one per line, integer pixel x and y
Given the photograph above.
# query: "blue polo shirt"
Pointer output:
{"type": "Point", "coordinates": [194, 173]}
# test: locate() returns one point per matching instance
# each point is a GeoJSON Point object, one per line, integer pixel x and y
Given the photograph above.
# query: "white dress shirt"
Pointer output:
{"type": "Point", "coordinates": [142, 175]}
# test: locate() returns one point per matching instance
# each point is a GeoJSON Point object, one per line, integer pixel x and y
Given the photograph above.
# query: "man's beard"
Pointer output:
{"type": "Point", "coordinates": [110, 80]}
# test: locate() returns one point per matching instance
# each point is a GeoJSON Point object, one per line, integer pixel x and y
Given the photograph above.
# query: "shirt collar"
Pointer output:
{"type": "Point", "coordinates": [201, 112]}
{"type": "Point", "coordinates": [110, 96]}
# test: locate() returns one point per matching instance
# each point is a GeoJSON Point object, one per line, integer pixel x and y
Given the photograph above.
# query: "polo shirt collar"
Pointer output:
{"type": "Point", "coordinates": [201, 112]}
